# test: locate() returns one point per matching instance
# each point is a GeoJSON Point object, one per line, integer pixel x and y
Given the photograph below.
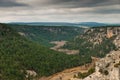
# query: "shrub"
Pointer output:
{"type": "Point", "coordinates": [104, 72]}
{"type": "Point", "coordinates": [83, 75]}
{"type": "Point", "coordinates": [118, 64]}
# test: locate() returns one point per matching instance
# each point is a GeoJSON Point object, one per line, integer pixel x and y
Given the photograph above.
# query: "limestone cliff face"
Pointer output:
{"type": "Point", "coordinates": [96, 35]}
{"type": "Point", "coordinates": [109, 33]}
{"type": "Point", "coordinates": [114, 32]}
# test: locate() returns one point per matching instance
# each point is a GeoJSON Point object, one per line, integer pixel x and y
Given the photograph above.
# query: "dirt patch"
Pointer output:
{"type": "Point", "coordinates": [59, 44]}
{"type": "Point", "coordinates": [21, 33]}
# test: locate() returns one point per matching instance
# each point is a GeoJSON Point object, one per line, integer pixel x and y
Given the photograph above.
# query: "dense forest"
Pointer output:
{"type": "Point", "coordinates": [46, 34]}
{"type": "Point", "coordinates": [18, 54]}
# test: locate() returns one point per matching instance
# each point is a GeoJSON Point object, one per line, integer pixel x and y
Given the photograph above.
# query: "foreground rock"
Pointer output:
{"type": "Point", "coordinates": [107, 68]}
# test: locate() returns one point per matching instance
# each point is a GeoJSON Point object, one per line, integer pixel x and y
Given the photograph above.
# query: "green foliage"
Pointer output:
{"type": "Point", "coordinates": [104, 72]}
{"type": "Point", "coordinates": [17, 54]}
{"type": "Point", "coordinates": [83, 75]}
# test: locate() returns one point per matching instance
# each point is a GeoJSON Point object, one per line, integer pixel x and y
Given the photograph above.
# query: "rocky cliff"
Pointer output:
{"type": "Point", "coordinates": [108, 68]}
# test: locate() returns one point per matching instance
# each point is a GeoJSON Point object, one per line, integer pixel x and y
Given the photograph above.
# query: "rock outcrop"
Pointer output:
{"type": "Point", "coordinates": [107, 68]}
{"type": "Point", "coordinates": [101, 33]}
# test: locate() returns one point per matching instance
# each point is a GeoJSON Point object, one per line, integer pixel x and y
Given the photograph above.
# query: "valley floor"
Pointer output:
{"type": "Point", "coordinates": [59, 44]}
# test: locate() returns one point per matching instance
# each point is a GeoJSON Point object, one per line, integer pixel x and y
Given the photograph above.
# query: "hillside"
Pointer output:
{"type": "Point", "coordinates": [21, 59]}
{"type": "Point", "coordinates": [96, 42]}
{"type": "Point", "coordinates": [45, 34]}
{"type": "Point", "coordinates": [107, 68]}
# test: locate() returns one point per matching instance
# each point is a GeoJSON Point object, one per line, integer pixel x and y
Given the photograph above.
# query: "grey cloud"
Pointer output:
{"type": "Point", "coordinates": [81, 3]}
{"type": "Point", "coordinates": [52, 10]}
{"type": "Point", "coordinates": [59, 3]}
{"type": "Point", "coordinates": [11, 3]}
{"type": "Point", "coordinates": [108, 11]}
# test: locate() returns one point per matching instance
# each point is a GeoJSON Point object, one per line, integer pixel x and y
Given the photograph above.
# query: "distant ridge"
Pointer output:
{"type": "Point", "coordinates": [92, 24]}
{"type": "Point", "coordinates": [81, 24]}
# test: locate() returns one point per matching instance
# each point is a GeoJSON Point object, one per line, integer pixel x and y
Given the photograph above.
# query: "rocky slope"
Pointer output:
{"type": "Point", "coordinates": [108, 68]}
{"type": "Point", "coordinates": [96, 35]}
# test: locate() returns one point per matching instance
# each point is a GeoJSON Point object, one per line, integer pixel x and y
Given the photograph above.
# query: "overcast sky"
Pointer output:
{"type": "Point", "coordinates": [60, 11]}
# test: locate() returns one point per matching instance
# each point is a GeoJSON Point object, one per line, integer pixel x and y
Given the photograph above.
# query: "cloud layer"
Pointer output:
{"type": "Point", "coordinates": [60, 10]}
{"type": "Point", "coordinates": [10, 3]}
{"type": "Point", "coordinates": [80, 3]}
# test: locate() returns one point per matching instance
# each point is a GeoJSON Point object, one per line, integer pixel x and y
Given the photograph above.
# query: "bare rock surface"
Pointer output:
{"type": "Point", "coordinates": [107, 68]}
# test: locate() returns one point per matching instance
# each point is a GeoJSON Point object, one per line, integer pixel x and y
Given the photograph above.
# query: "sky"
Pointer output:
{"type": "Point", "coordinates": [107, 11]}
